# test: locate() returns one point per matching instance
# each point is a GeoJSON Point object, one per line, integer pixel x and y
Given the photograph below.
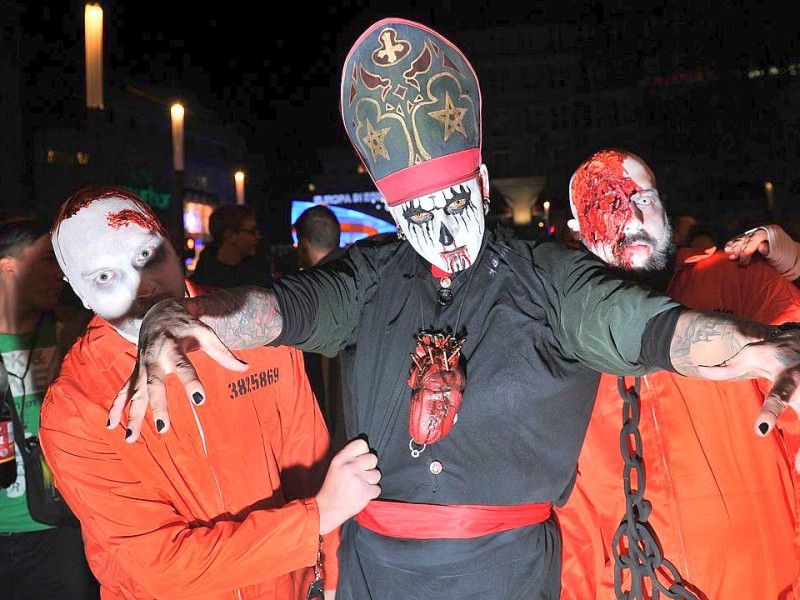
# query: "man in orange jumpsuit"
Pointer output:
{"type": "Point", "coordinates": [723, 499]}
{"type": "Point", "coordinates": [229, 502]}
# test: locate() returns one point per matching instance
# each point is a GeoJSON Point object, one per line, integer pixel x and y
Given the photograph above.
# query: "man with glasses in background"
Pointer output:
{"type": "Point", "coordinates": [231, 258]}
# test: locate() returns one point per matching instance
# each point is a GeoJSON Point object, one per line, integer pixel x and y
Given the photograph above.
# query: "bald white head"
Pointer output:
{"type": "Point", "coordinates": [116, 258]}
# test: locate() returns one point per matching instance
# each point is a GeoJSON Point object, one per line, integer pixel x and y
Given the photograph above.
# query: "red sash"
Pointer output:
{"type": "Point", "coordinates": [454, 521]}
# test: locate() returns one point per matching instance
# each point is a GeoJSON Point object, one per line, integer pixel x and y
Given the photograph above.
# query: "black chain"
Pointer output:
{"type": "Point", "coordinates": [643, 556]}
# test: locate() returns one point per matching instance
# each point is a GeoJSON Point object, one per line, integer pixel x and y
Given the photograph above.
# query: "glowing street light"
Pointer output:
{"type": "Point", "coordinates": [769, 193]}
{"type": "Point", "coordinates": [176, 221]}
{"type": "Point", "coordinates": [93, 24]}
{"type": "Point", "coordinates": [238, 179]}
{"type": "Point", "coordinates": [546, 206]}
{"type": "Point", "coordinates": [176, 111]}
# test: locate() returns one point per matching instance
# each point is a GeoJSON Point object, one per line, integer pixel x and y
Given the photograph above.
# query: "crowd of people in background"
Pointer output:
{"type": "Point", "coordinates": [432, 415]}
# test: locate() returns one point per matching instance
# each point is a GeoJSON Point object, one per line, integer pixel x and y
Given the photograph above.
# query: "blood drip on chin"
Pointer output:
{"type": "Point", "coordinates": [457, 260]}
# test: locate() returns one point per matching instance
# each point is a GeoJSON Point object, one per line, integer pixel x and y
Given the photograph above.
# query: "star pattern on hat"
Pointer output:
{"type": "Point", "coordinates": [374, 141]}
{"type": "Point", "coordinates": [451, 117]}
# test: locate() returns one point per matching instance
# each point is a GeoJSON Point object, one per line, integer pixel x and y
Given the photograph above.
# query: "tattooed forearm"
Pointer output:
{"type": "Point", "coordinates": [242, 317]}
{"type": "Point", "coordinates": [704, 338]}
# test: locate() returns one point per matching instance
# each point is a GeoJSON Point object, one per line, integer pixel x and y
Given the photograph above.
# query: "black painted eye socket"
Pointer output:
{"type": "Point", "coordinates": [152, 256]}
{"type": "Point", "coordinates": [417, 215]}
{"type": "Point", "coordinates": [456, 205]}
{"type": "Point", "coordinates": [459, 201]}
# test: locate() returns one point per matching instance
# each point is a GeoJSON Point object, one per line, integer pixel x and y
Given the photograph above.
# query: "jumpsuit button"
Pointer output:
{"type": "Point", "coordinates": [436, 467]}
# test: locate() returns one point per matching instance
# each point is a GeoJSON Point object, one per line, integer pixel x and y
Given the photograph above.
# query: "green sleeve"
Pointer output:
{"type": "Point", "coordinates": [321, 307]}
{"type": "Point", "coordinates": [599, 317]}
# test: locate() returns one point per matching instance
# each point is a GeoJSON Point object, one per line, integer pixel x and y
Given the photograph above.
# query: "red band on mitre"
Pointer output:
{"type": "Point", "coordinates": [430, 176]}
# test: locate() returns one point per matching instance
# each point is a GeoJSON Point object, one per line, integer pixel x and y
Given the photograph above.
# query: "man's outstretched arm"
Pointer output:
{"type": "Point", "coordinates": [705, 340]}
{"type": "Point", "coordinates": [704, 344]}
{"type": "Point", "coordinates": [236, 318]}
{"type": "Point", "coordinates": [711, 345]}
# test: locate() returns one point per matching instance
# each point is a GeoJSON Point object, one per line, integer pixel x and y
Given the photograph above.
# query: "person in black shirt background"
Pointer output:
{"type": "Point", "coordinates": [231, 258]}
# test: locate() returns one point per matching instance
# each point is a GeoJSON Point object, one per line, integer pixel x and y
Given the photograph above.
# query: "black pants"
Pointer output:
{"type": "Point", "coordinates": [45, 565]}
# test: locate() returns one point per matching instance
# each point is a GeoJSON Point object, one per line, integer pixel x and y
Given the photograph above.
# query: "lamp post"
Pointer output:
{"type": "Point", "coordinates": [238, 179]}
{"type": "Point", "coordinates": [769, 200]}
{"type": "Point", "coordinates": [176, 114]}
{"type": "Point", "coordinates": [93, 44]}
{"type": "Point", "coordinates": [546, 206]}
{"type": "Point", "coordinates": [93, 23]}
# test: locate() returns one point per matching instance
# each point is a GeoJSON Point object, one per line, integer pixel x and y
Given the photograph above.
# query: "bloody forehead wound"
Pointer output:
{"type": "Point", "coordinates": [143, 216]}
{"type": "Point", "coordinates": [601, 191]}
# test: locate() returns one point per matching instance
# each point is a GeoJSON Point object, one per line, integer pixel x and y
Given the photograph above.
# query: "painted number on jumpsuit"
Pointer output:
{"type": "Point", "coordinates": [253, 382]}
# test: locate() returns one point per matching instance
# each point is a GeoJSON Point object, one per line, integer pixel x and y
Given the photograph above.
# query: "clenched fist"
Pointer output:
{"type": "Point", "coordinates": [351, 482]}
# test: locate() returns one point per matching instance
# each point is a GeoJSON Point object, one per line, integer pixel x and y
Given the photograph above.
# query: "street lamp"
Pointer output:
{"type": "Point", "coordinates": [93, 23]}
{"type": "Point", "coordinates": [176, 217]}
{"type": "Point", "coordinates": [176, 112]}
{"type": "Point", "coordinates": [546, 206]}
{"type": "Point", "coordinates": [238, 179]}
{"type": "Point", "coordinates": [769, 193]}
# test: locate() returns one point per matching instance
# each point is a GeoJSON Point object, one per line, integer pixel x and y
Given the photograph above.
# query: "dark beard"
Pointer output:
{"type": "Point", "coordinates": [659, 269]}
{"type": "Point", "coordinates": [663, 254]}
{"type": "Point", "coordinates": [658, 260]}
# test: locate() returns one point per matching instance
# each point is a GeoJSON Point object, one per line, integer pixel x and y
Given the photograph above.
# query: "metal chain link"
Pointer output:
{"type": "Point", "coordinates": [643, 556]}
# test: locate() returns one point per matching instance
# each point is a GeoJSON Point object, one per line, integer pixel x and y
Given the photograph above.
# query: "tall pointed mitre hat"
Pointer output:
{"type": "Point", "coordinates": [411, 106]}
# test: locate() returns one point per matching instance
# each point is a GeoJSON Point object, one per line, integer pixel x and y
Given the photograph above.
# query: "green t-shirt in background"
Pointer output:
{"type": "Point", "coordinates": [32, 361]}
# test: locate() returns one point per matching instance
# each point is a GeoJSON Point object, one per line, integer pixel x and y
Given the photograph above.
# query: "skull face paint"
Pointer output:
{"type": "Point", "coordinates": [445, 227]}
{"type": "Point", "coordinates": [614, 198]}
{"type": "Point", "coordinates": [118, 262]}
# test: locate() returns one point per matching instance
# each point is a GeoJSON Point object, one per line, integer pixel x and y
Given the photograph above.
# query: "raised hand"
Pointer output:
{"type": "Point", "coordinates": [351, 482]}
{"type": "Point", "coordinates": [771, 242]}
{"type": "Point", "coordinates": [745, 245]}
{"type": "Point", "coordinates": [167, 334]}
{"type": "Point", "coordinates": [778, 359]}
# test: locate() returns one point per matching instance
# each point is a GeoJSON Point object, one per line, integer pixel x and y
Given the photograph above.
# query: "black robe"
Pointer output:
{"type": "Point", "coordinates": [540, 321]}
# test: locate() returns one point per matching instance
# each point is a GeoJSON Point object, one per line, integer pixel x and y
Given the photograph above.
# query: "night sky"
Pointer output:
{"type": "Point", "coordinates": [280, 75]}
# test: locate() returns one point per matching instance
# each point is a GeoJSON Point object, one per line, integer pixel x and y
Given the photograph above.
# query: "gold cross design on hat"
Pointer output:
{"type": "Point", "coordinates": [391, 51]}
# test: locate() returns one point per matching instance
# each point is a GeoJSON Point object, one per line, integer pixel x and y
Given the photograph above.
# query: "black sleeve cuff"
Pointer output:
{"type": "Point", "coordinates": [657, 338]}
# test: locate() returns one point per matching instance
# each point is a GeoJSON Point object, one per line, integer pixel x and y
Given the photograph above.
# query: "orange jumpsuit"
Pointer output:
{"type": "Point", "coordinates": [724, 499]}
{"type": "Point", "coordinates": [221, 505]}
